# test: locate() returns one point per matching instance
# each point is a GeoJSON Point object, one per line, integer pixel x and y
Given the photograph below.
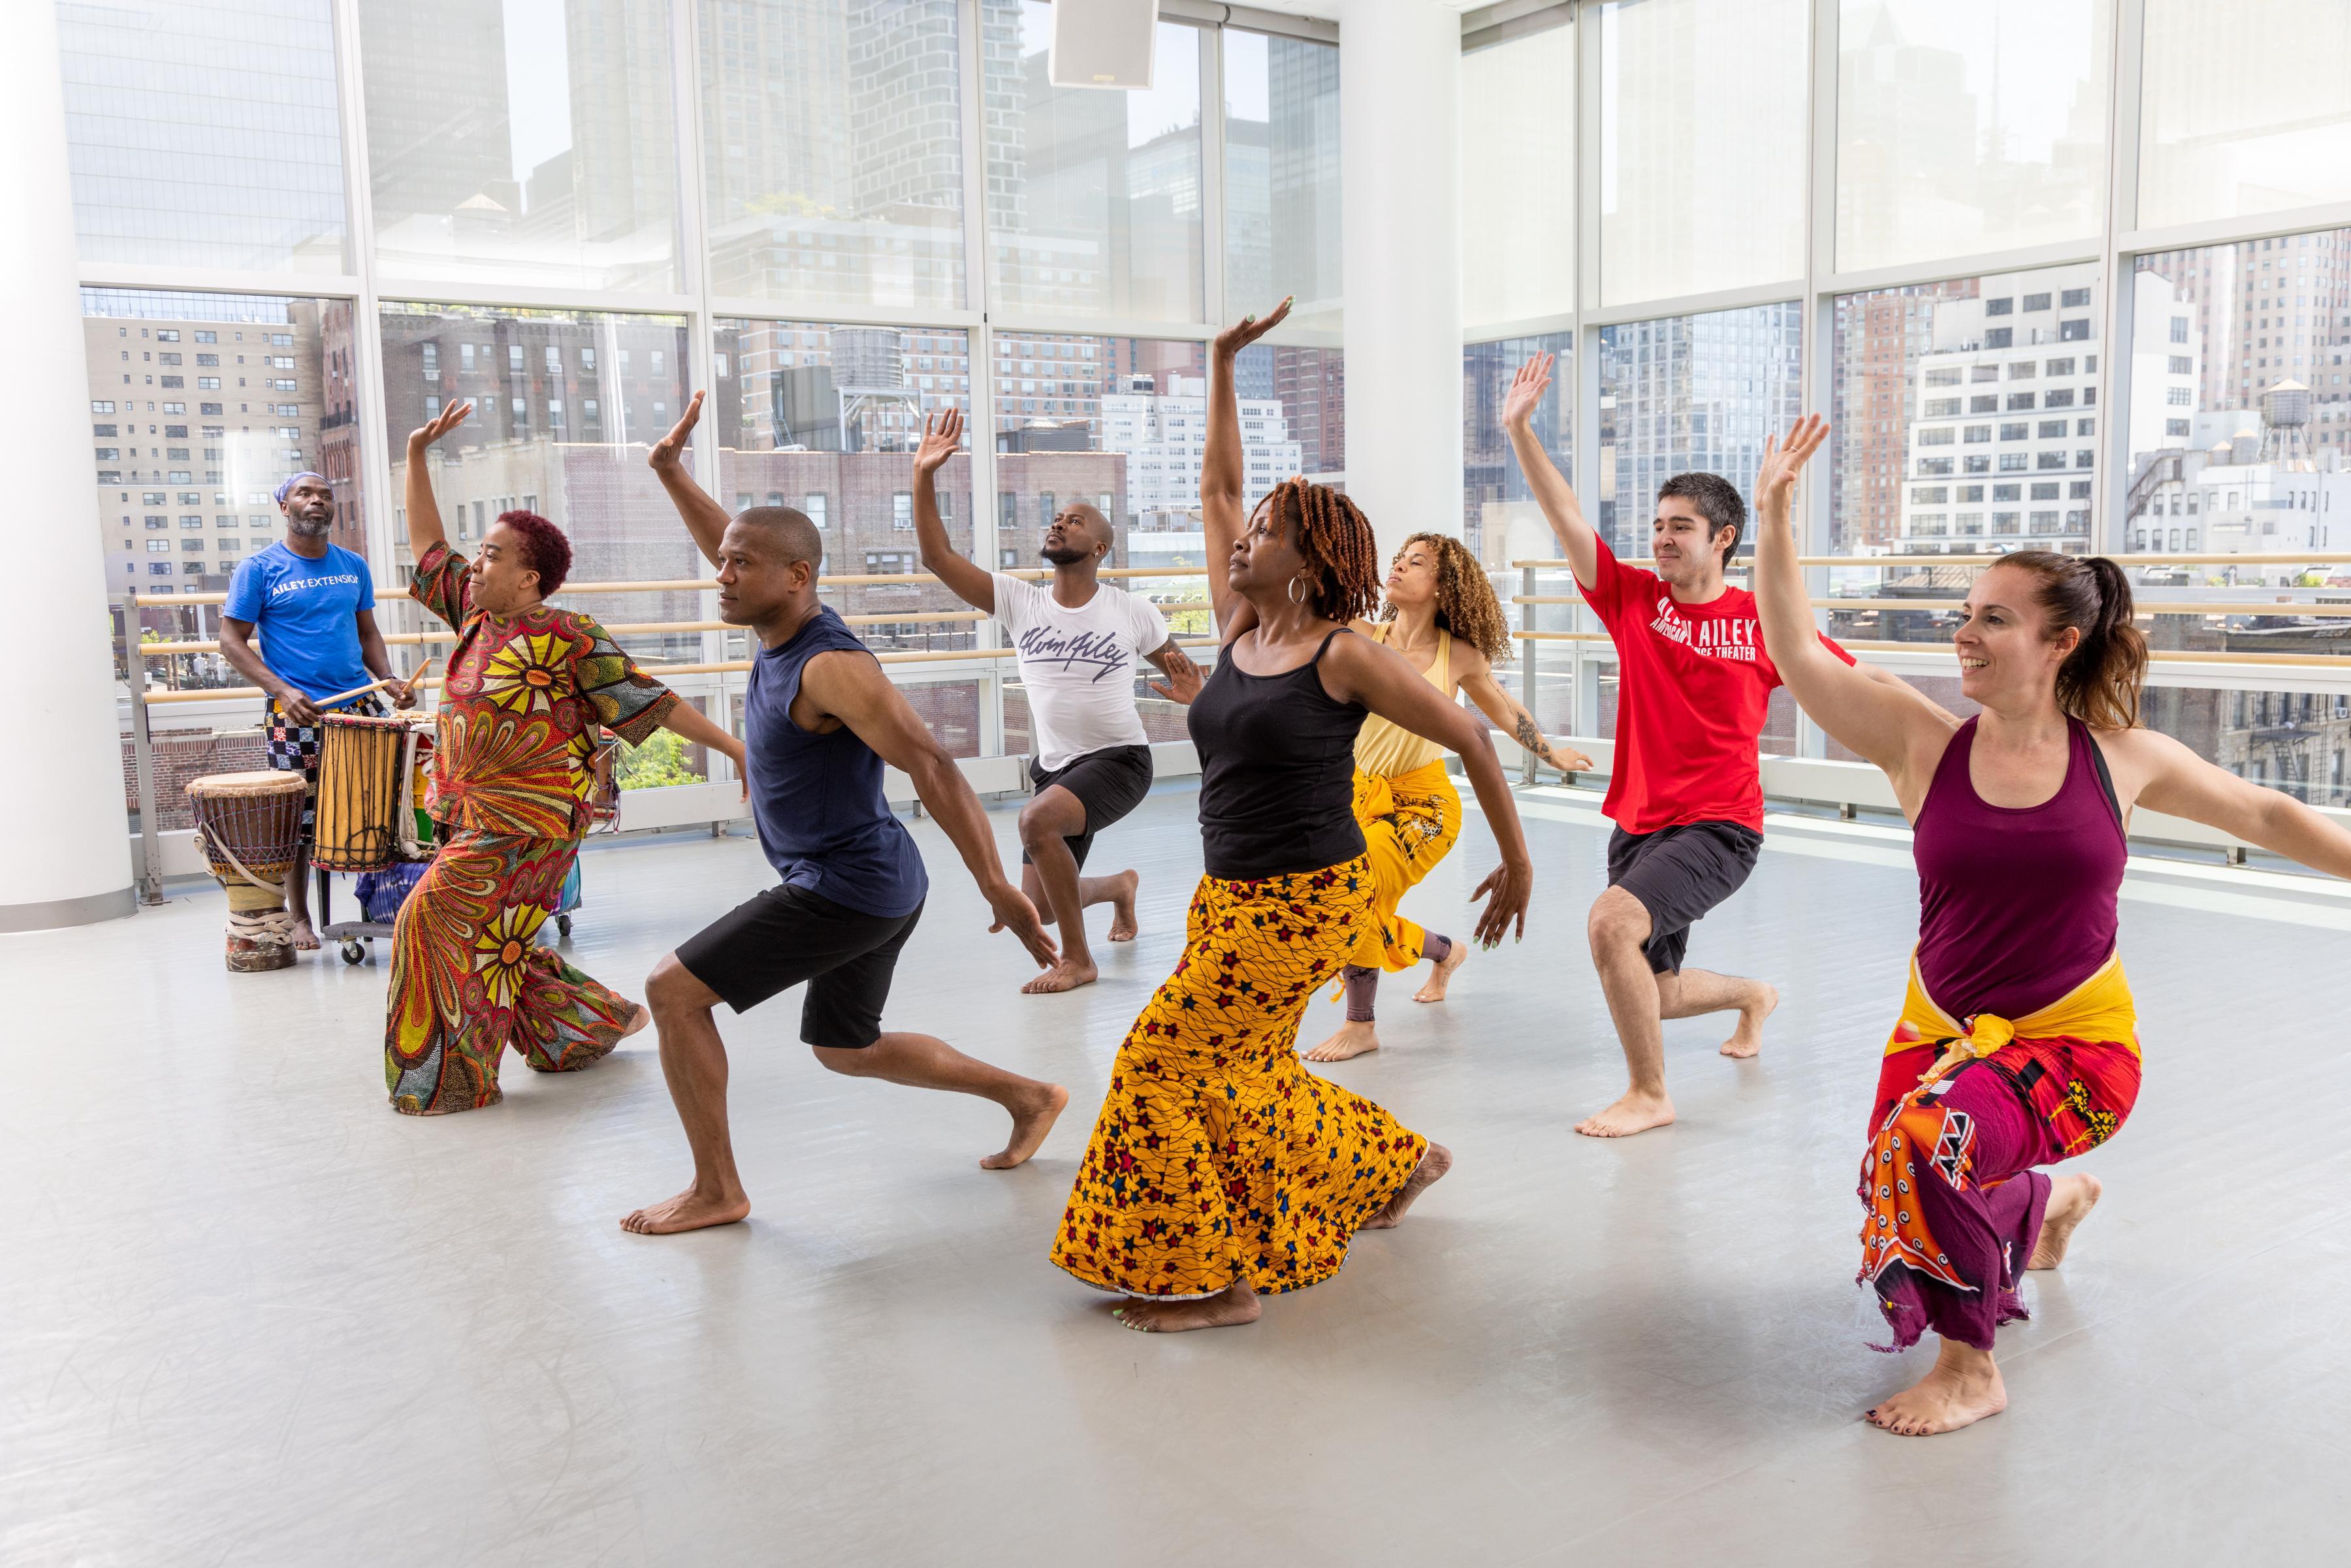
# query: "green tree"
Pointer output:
{"type": "Point", "coordinates": [658, 763]}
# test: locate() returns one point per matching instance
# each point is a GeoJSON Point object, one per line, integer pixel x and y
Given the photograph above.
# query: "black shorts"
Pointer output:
{"type": "Point", "coordinates": [1679, 874]}
{"type": "Point", "coordinates": [1108, 784]}
{"type": "Point", "coordinates": [775, 940]}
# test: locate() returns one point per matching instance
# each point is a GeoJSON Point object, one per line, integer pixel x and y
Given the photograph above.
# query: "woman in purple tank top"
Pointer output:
{"type": "Point", "coordinates": [2017, 1044]}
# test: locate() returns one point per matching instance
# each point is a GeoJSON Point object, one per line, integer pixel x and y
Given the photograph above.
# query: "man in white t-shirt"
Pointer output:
{"type": "Point", "coordinates": [1079, 640]}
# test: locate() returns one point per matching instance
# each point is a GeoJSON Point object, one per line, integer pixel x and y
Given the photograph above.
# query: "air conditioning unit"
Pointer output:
{"type": "Point", "coordinates": [1102, 43]}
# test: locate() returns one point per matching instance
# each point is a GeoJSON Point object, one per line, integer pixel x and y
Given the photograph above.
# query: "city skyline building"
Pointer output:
{"type": "Point", "coordinates": [1161, 433]}
{"type": "Point", "coordinates": [1684, 394]}
{"type": "Point", "coordinates": [2003, 452]}
{"type": "Point", "coordinates": [1879, 337]}
{"type": "Point", "coordinates": [199, 405]}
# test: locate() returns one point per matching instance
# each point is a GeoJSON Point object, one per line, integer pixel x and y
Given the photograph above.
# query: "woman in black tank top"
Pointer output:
{"type": "Point", "coordinates": [1219, 1169]}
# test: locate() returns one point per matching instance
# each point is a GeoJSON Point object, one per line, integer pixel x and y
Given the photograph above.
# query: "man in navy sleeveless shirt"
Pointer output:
{"type": "Point", "coordinates": [820, 721]}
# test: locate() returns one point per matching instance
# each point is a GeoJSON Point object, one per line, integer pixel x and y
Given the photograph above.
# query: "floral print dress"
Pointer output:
{"type": "Point", "coordinates": [526, 699]}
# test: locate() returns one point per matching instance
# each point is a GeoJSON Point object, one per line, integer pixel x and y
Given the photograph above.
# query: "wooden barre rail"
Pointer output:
{"type": "Point", "coordinates": [2155, 607]}
{"type": "Point", "coordinates": [646, 628]}
{"type": "Point", "coordinates": [2157, 655]}
{"type": "Point", "coordinates": [889, 656]}
{"type": "Point", "coordinates": [918, 578]}
{"type": "Point", "coordinates": [951, 656]}
{"type": "Point", "coordinates": [1911, 562]}
{"type": "Point", "coordinates": [696, 584]}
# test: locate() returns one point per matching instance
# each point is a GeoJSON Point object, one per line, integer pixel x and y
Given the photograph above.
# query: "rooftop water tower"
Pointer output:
{"type": "Point", "coordinates": [2285, 409]}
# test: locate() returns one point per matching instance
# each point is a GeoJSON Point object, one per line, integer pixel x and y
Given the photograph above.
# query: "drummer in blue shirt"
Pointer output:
{"type": "Point", "coordinates": [312, 605]}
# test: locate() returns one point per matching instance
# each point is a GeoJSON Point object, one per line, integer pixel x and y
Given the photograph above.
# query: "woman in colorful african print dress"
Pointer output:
{"type": "Point", "coordinates": [2017, 1044]}
{"type": "Point", "coordinates": [1219, 1169]}
{"type": "Point", "coordinates": [1443, 617]}
{"type": "Point", "coordinates": [529, 688]}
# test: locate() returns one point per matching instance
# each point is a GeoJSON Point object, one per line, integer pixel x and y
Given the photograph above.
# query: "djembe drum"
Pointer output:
{"type": "Point", "coordinates": [250, 825]}
{"type": "Point", "coordinates": [362, 769]}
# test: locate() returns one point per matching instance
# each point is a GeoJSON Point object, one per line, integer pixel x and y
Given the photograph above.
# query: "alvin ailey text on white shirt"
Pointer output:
{"type": "Point", "coordinates": [1099, 651]}
{"type": "Point", "coordinates": [1717, 636]}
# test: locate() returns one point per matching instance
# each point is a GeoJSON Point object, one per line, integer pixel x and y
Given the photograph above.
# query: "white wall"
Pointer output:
{"type": "Point", "coordinates": [1400, 132]}
{"type": "Point", "coordinates": [66, 859]}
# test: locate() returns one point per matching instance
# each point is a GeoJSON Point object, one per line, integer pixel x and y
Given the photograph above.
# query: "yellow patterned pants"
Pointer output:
{"type": "Point", "coordinates": [1409, 824]}
{"type": "Point", "coordinates": [1217, 1157]}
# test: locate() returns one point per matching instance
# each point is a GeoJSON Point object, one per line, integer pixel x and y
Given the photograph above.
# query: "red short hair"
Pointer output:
{"type": "Point", "coordinates": [545, 550]}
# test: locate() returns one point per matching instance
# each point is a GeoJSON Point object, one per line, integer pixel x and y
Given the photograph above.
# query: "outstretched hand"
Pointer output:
{"type": "Point", "coordinates": [440, 425]}
{"type": "Point", "coordinates": [942, 439]}
{"type": "Point", "coordinates": [1014, 912]}
{"type": "Point", "coordinates": [1505, 891]}
{"type": "Point", "coordinates": [1250, 329]}
{"type": "Point", "coordinates": [1184, 679]}
{"type": "Point", "coordinates": [670, 450]}
{"type": "Point", "coordinates": [1775, 485]}
{"type": "Point", "coordinates": [1527, 389]}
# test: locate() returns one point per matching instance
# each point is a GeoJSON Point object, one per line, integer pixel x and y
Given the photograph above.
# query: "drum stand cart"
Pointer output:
{"type": "Point", "coordinates": [354, 934]}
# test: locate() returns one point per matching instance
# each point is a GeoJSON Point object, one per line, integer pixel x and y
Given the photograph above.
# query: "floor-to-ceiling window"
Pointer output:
{"type": "Point", "coordinates": [305, 227]}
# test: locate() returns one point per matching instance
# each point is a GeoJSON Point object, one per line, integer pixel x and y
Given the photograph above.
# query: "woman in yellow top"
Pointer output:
{"type": "Point", "coordinates": [1442, 616]}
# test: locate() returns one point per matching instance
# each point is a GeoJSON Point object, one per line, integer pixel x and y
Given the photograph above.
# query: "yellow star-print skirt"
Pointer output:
{"type": "Point", "coordinates": [1217, 1157]}
{"type": "Point", "coordinates": [468, 977]}
{"type": "Point", "coordinates": [1410, 822]}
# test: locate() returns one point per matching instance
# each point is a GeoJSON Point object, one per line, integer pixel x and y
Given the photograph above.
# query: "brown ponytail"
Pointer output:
{"type": "Point", "coordinates": [2099, 681]}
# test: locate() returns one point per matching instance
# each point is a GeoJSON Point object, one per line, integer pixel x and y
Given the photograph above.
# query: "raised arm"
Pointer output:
{"type": "Point", "coordinates": [1357, 669]}
{"type": "Point", "coordinates": [1478, 683]}
{"type": "Point", "coordinates": [852, 688]}
{"type": "Point", "coordinates": [971, 582]}
{"type": "Point", "coordinates": [424, 529]}
{"type": "Point", "coordinates": [1887, 726]}
{"type": "Point", "coordinates": [1223, 472]}
{"type": "Point", "coordinates": [706, 519]}
{"type": "Point", "coordinates": [2173, 779]}
{"type": "Point", "coordinates": [1560, 507]}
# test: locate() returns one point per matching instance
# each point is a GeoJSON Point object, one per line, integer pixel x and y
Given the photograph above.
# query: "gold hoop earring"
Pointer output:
{"type": "Point", "coordinates": [1295, 584]}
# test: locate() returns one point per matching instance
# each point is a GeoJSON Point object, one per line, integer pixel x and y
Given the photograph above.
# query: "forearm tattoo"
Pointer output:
{"type": "Point", "coordinates": [1531, 739]}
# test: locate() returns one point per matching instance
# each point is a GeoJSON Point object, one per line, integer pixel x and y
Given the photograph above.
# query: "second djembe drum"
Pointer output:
{"type": "Point", "coordinates": [250, 825]}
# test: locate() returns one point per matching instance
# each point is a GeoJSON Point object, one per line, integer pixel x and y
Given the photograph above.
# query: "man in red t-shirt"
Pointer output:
{"type": "Point", "coordinates": [1685, 790]}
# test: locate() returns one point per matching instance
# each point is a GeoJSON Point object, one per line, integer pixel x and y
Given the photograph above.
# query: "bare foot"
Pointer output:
{"type": "Point", "coordinates": [1227, 1309]}
{"type": "Point", "coordinates": [1747, 1037]}
{"type": "Point", "coordinates": [692, 1209]}
{"type": "Point", "coordinates": [1353, 1039]}
{"type": "Point", "coordinates": [1062, 976]}
{"type": "Point", "coordinates": [1635, 1113]}
{"type": "Point", "coordinates": [1428, 1174]}
{"type": "Point", "coordinates": [2071, 1198]}
{"type": "Point", "coordinates": [1122, 903]}
{"type": "Point", "coordinates": [304, 936]}
{"type": "Point", "coordinates": [1434, 991]}
{"type": "Point", "coordinates": [637, 1021]}
{"type": "Point", "coordinates": [1030, 1123]}
{"type": "Point", "coordinates": [1964, 1390]}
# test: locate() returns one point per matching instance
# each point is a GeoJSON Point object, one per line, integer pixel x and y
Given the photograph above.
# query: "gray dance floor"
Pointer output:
{"type": "Point", "coordinates": [248, 1315]}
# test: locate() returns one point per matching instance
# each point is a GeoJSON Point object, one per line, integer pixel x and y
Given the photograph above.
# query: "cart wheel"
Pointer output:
{"type": "Point", "coordinates": [563, 926]}
{"type": "Point", "coordinates": [354, 952]}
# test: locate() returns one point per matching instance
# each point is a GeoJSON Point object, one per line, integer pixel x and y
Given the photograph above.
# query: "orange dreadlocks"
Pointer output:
{"type": "Point", "coordinates": [1341, 553]}
{"type": "Point", "coordinates": [1466, 605]}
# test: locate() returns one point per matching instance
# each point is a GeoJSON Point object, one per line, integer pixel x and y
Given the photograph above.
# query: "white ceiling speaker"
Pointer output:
{"type": "Point", "coordinates": [1102, 43]}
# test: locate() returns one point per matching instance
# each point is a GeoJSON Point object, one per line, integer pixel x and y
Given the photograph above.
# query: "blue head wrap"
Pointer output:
{"type": "Point", "coordinates": [287, 483]}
